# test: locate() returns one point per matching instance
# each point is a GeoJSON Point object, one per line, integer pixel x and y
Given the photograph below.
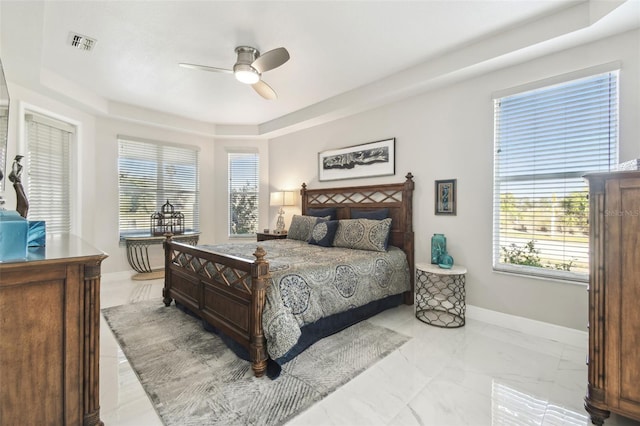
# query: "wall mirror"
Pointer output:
{"type": "Point", "coordinates": [4, 125]}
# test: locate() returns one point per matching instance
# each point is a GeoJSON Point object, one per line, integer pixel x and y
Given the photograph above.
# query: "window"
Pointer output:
{"type": "Point", "coordinates": [48, 180]}
{"type": "Point", "coordinates": [152, 173]}
{"type": "Point", "coordinates": [243, 193]}
{"type": "Point", "coordinates": [545, 141]}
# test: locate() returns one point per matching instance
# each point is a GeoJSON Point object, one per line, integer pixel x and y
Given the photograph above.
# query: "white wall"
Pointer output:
{"type": "Point", "coordinates": [445, 133]}
{"type": "Point", "coordinates": [83, 178]}
{"type": "Point", "coordinates": [96, 172]}
{"type": "Point", "coordinates": [448, 133]}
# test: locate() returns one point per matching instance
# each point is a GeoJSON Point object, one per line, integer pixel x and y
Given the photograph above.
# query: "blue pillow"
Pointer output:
{"type": "Point", "coordinates": [370, 214]}
{"type": "Point", "coordinates": [323, 233]}
{"type": "Point", "coordinates": [329, 211]}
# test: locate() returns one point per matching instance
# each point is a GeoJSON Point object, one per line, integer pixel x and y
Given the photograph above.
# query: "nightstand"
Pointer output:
{"type": "Point", "coordinates": [440, 295]}
{"type": "Point", "coordinates": [264, 236]}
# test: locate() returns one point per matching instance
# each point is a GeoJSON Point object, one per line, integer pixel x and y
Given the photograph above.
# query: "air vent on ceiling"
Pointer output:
{"type": "Point", "coordinates": [81, 41]}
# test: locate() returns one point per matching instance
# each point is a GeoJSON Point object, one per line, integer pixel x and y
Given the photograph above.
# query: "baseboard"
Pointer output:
{"type": "Point", "coordinates": [555, 332]}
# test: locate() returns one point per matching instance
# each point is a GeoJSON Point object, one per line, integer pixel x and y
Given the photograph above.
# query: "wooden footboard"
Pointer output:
{"type": "Point", "coordinates": [227, 292]}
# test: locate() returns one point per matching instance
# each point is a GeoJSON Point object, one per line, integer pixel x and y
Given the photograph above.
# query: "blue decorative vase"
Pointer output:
{"type": "Point", "coordinates": [438, 247]}
{"type": "Point", "coordinates": [445, 261]}
{"type": "Point", "coordinates": [36, 234]}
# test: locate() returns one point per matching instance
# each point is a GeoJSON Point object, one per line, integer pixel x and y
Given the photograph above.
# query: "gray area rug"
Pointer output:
{"type": "Point", "coordinates": [192, 377]}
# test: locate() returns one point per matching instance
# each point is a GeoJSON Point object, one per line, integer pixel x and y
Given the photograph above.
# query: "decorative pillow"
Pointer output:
{"type": "Point", "coordinates": [323, 233]}
{"type": "Point", "coordinates": [301, 227]}
{"type": "Point", "coordinates": [363, 234]}
{"type": "Point", "coordinates": [329, 211]}
{"type": "Point", "coordinates": [370, 214]}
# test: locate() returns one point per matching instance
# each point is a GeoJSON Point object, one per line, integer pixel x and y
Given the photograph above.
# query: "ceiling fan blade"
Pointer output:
{"type": "Point", "coordinates": [271, 59]}
{"type": "Point", "coordinates": [205, 68]}
{"type": "Point", "coordinates": [265, 90]}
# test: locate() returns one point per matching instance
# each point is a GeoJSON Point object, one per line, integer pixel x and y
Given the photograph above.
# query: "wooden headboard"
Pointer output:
{"type": "Point", "coordinates": [397, 197]}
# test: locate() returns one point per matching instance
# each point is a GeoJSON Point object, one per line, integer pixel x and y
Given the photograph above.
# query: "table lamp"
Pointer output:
{"type": "Point", "coordinates": [281, 198]}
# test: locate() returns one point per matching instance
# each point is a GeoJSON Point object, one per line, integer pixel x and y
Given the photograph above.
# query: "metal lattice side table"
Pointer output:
{"type": "Point", "coordinates": [440, 295]}
{"type": "Point", "coordinates": [138, 253]}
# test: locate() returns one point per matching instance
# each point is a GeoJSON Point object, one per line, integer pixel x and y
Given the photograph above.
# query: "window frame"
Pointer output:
{"type": "Point", "coordinates": [256, 181]}
{"type": "Point", "coordinates": [611, 71]}
{"type": "Point", "coordinates": [153, 152]}
{"type": "Point", "coordinates": [48, 122]}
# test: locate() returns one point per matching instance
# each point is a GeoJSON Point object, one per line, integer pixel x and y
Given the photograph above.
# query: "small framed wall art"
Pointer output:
{"type": "Point", "coordinates": [366, 160]}
{"type": "Point", "coordinates": [446, 198]}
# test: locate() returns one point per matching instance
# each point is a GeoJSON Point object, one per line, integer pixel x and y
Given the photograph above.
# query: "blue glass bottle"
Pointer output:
{"type": "Point", "coordinates": [438, 247]}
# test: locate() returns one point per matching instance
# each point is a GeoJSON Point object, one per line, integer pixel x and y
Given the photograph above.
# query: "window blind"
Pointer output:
{"type": "Point", "coordinates": [48, 175]}
{"type": "Point", "coordinates": [243, 193]}
{"type": "Point", "coordinates": [152, 173]}
{"type": "Point", "coordinates": [545, 141]}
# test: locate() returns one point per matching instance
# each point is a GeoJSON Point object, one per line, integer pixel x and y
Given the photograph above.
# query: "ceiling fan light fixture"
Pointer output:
{"type": "Point", "coordinates": [249, 67]}
{"type": "Point", "coordinates": [246, 74]}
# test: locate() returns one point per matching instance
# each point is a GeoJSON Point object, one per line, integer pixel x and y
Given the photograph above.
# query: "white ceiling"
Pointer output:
{"type": "Point", "coordinates": [345, 55]}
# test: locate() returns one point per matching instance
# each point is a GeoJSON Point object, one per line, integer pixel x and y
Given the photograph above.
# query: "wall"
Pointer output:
{"type": "Point", "coordinates": [448, 133]}
{"type": "Point", "coordinates": [96, 172]}
{"type": "Point", "coordinates": [445, 133]}
{"type": "Point", "coordinates": [84, 177]}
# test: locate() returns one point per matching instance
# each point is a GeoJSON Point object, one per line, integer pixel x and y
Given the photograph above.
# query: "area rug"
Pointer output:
{"type": "Point", "coordinates": [192, 378]}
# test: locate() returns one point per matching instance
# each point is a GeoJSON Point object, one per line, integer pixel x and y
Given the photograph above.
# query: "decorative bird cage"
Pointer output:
{"type": "Point", "coordinates": [167, 221]}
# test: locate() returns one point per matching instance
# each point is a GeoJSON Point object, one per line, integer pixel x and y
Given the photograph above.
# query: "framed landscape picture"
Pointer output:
{"type": "Point", "coordinates": [366, 160]}
{"type": "Point", "coordinates": [446, 197]}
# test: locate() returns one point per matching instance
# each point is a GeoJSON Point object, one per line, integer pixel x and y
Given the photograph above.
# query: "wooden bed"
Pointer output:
{"type": "Point", "coordinates": [232, 299]}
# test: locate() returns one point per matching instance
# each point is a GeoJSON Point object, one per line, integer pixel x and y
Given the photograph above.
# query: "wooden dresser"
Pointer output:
{"type": "Point", "coordinates": [49, 335]}
{"type": "Point", "coordinates": [614, 296]}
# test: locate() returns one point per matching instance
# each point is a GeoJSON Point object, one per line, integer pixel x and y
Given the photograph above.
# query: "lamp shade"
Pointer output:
{"type": "Point", "coordinates": [289, 198]}
{"type": "Point", "coordinates": [282, 198]}
{"type": "Point", "coordinates": [276, 198]}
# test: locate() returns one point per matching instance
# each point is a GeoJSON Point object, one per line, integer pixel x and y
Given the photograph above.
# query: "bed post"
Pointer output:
{"type": "Point", "coordinates": [303, 198]}
{"type": "Point", "coordinates": [259, 283]}
{"type": "Point", "coordinates": [407, 200]}
{"type": "Point", "coordinates": [167, 270]}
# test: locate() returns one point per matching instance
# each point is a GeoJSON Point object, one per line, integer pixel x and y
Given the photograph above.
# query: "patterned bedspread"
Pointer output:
{"type": "Point", "coordinates": [309, 282]}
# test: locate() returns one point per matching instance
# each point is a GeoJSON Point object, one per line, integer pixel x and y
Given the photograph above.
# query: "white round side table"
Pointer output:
{"type": "Point", "coordinates": [440, 295]}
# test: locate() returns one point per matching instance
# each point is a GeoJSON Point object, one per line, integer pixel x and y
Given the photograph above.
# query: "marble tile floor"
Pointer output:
{"type": "Point", "coordinates": [480, 374]}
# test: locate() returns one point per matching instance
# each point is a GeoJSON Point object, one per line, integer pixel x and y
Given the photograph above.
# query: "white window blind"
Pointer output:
{"type": "Point", "coordinates": [243, 193]}
{"type": "Point", "coordinates": [545, 141]}
{"type": "Point", "coordinates": [152, 173]}
{"type": "Point", "coordinates": [48, 172]}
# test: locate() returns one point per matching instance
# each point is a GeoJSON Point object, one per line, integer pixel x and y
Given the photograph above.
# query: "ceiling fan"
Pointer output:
{"type": "Point", "coordinates": [249, 67]}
